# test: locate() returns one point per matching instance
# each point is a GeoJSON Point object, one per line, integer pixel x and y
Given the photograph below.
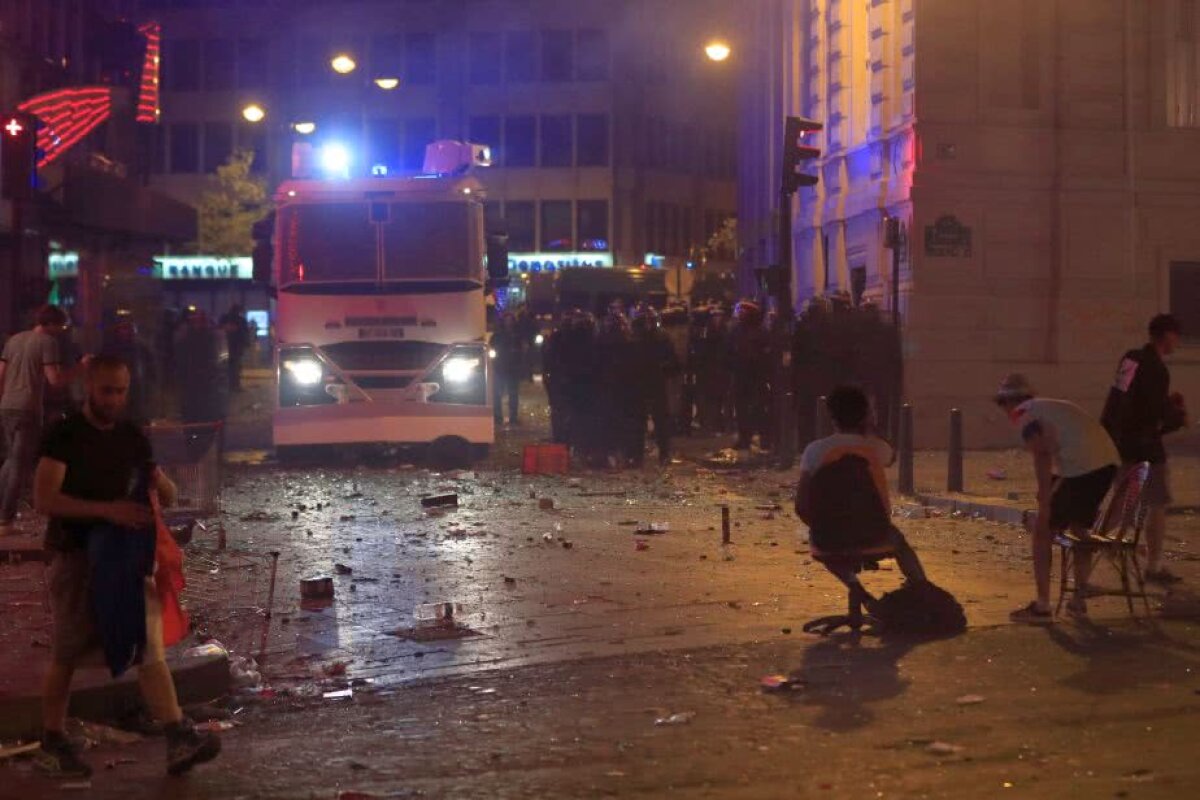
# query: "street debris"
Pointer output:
{"type": "Point", "coordinates": [546, 503]}
{"type": "Point", "coordinates": [944, 749]}
{"type": "Point", "coordinates": [682, 718]}
{"type": "Point", "coordinates": [244, 672]}
{"type": "Point", "coordinates": [260, 516]}
{"type": "Point", "coordinates": [641, 544]}
{"type": "Point", "coordinates": [780, 683]}
{"type": "Point", "coordinates": [336, 669]}
{"type": "Point", "coordinates": [18, 750]}
{"type": "Point", "coordinates": [342, 569]}
{"type": "Point", "coordinates": [652, 528]}
{"type": "Point", "coordinates": [440, 501]}
{"type": "Point", "coordinates": [997, 474]}
{"type": "Point", "coordinates": [970, 699]}
{"type": "Point", "coordinates": [443, 613]}
{"type": "Point", "coordinates": [340, 694]}
{"type": "Point", "coordinates": [76, 786]}
{"type": "Point", "coordinates": [213, 648]}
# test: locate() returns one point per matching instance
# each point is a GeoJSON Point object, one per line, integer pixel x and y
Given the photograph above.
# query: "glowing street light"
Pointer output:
{"type": "Point", "coordinates": [717, 50]}
{"type": "Point", "coordinates": [343, 64]}
{"type": "Point", "coordinates": [387, 84]}
{"type": "Point", "coordinates": [304, 128]}
{"type": "Point", "coordinates": [254, 113]}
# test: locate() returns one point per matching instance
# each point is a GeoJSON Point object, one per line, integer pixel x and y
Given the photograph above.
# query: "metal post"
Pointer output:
{"type": "Point", "coordinates": [785, 391]}
{"type": "Point", "coordinates": [906, 450]}
{"type": "Point", "coordinates": [954, 469]}
{"type": "Point", "coordinates": [725, 524]}
{"type": "Point", "coordinates": [822, 427]}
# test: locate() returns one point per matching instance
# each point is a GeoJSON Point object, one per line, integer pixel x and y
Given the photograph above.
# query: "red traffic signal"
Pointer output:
{"type": "Point", "coordinates": [795, 152]}
{"type": "Point", "coordinates": [18, 155]}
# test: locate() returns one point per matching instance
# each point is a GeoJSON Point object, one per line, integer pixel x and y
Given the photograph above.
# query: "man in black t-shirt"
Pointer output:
{"type": "Point", "coordinates": [88, 464]}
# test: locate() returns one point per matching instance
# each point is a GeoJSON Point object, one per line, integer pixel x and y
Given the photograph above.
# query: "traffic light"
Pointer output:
{"type": "Point", "coordinates": [18, 155]}
{"type": "Point", "coordinates": [795, 152]}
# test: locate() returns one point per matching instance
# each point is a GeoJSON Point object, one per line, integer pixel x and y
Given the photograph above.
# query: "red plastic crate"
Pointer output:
{"type": "Point", "coordinates": [546, 459]}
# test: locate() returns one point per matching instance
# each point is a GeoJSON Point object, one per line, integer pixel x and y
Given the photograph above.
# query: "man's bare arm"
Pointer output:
{"type": "Point", "coordinates": [168, 493]}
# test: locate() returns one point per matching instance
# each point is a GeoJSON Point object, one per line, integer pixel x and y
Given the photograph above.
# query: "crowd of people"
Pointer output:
{"type": "Point", "coordinates": [710, 369]}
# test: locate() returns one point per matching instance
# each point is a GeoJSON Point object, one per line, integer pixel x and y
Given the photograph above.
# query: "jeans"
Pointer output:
{"type": "Point", "coordinates": [505, 384]}
{"type": "Point", "coordinates": [22, 436]}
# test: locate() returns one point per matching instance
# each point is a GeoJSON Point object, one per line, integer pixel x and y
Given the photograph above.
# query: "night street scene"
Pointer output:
{"type": "Point", "coordinates": [599, 398]}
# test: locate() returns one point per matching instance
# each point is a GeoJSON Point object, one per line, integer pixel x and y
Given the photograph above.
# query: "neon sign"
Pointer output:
{"type": "Point", "coordinates": [208, 268]}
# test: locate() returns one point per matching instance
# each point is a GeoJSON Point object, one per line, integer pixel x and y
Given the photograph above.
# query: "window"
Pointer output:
{"type": "Point", "coordinates": [593, 140]}
{"type": "Point", "coordinates": [521, 56]}
{"type": "Point", "coordinates": [218, 144]}
{"type": "Point", "coordinates": [254, 138]}
{"type": "Point", "coordinates": [312, 62]}
{"type": "Point", "coordinates": [185, 147]}
{"type": "Point", "coordinates": [428, 240]}
{"type": "Point", "coordinates": [592, 224]}
{"type": "Point", "coordinates": [252, 64]}
{"type": "Point", "coordinates": [1185, 296]}
{"type": "Point", "coordinates": [556, 226]}
{"type": "Point", "coordinates": [181, 65]}
{"type": "Point", "coordinates": [418, 134]}
{"type": "Point", "coordinates": [591, 55]}
{"type": "Point", "coordinates": [485, 130]}
{"type": "Point", "coordinates": [420, 58]}
{"type": "Point", "coordinates": [383, 143]}
{"type": "Point", "coordinates": [556, 141]}
{"type": "Point", "coordinates": [219, 63]}
{"type": "Point", "coordinates": [387, 57]}
{"type": "Point", "coordinates": [486, 59]}
{"type": "Point", "coordinates": [519, 149]}
{"type": "Point", "coordinates": [518, 217]}
{"type": "Point", "coordinates": [558, 56]}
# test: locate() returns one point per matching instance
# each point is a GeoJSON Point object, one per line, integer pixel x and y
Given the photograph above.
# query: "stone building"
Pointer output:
{"type": "Point", "coordinates": [1043, 157]}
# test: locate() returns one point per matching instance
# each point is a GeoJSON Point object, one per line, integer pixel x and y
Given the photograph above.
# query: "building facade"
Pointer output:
{"type": "Point", "coordinates": [1043, 157]}
{"type": "Point", "coordinates": [90, 223]}
{"type": "Point", "coordinates": [611, 140]}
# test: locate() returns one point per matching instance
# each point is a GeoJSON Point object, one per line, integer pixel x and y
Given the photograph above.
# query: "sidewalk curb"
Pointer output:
{"type": "Point", "coordinates": [990, 512]}
{"type": "Point", "coordinates": [197, 680]}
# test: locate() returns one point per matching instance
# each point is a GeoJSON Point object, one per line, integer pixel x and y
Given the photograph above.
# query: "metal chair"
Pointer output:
{"type": "Point", "coordinates": [1115, 538]}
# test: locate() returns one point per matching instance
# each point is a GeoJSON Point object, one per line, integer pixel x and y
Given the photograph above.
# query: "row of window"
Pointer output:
{"type": "Point", "coordinates": [680, 147]}
{"type": "Point", "coordinates": [673, 229]}
{"type": "Point", "coordinates": [559, 140]}
{"type": "Point", "coordinates": [520, 141]}
{"type": "Point", "coordinates": [555, 56]}
{"type": "Point", "coordinates": [552, 225]}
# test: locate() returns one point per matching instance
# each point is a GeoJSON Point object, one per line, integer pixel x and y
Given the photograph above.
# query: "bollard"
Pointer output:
{"type": "Point", "coordinates": [724, 524]}
{"type": "Point", "coordinates": [906, 450]}
{"type": "Point", "coordinates": [954, 469]}
{"type": "Point", "coordinates": [822, 418]}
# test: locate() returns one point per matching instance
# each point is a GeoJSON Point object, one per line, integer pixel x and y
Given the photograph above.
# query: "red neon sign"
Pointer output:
{"type": "Point", "coordinates": [148, 92]}
{"type": "Point", "coordinates": [67, 115]}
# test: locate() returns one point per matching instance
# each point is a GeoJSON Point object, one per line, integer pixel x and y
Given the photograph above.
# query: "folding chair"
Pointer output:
{"type": "Point", "coordinates": [1114, 537]}
{"type": "Point", "coordinates": [846, 566]}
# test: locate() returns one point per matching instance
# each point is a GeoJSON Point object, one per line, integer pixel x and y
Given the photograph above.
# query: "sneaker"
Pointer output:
{"type": "Point", "coordinates": [187, 747]}
{"type": "Point", "coordinates": [1033, 615]}
{"type": "Point", "coordinates": [1162, 576]}
{"type": "Point", "coordinates": [1077, 608]}
{"type": "Point", "coordinates": [58, 758]}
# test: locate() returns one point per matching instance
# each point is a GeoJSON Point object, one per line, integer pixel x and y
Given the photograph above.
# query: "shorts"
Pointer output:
{"type": "Point", "coordinates": [1076, 501]}
{"type": "Point", "coordinates": [75, 641]}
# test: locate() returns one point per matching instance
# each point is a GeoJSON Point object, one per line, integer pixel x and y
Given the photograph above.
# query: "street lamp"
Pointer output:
{"type": "Point", "coordinates": [343, 64]}
{"type": "Point", "coordinates": [387, 84]}
{"type": "Point", "coordinates": [254, 113]}
{"type": "Point", "coordinates": [717, 50]}
{"type": "Point", "coordinates": [304, 128]}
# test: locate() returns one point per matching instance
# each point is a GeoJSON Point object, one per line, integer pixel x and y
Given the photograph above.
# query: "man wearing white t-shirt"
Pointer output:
{"type": "Point", "coordinates": [1076, 462]}
{"type": "Point", "coordinates": [842, 494]}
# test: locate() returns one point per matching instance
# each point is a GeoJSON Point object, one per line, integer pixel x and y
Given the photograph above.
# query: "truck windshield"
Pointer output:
{"type": "Point", "coordinates": [337, 242]}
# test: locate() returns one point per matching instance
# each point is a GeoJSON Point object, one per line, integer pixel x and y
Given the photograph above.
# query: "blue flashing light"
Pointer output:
{"type": "Point", "coordinates": [379, 170]}
{"type": "Point", "coordinates": [334, 159]}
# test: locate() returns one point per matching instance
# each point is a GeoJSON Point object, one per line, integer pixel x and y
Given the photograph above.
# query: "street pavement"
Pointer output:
{"type": "Point", "coordinates": [574, 641]}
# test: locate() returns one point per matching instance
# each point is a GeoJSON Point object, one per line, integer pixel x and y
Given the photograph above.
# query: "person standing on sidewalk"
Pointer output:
{"type": "Point", "coordinates": [30, 361]}
{"type": "Point", "coordinates": [1075, 462]}
{"type": "Point", "coordinates": [1139, 411]}
{"type": "Point", "coordinates": [88, 463]}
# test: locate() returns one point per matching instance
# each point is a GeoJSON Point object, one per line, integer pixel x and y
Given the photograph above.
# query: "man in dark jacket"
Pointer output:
{"type": "Point", "coordinates": [1139, 411]}
{"type": "Point", "coordinates": [507, 367]}
{"type": "Point", "coordinates": [655, 364]}
{"type": "Point", "coordinates": [749, 353]}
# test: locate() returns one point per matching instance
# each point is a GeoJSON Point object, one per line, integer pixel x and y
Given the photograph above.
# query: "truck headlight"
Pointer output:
{"type": "Point", "coordinates": [305, 371]}
{"type": "Point", "coordinates": [459, 370]}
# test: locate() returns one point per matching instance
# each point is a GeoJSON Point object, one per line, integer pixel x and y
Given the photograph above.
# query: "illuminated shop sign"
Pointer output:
{"type": "Point", "coordinates": [549, 262]}
{"type": "Point", "coordinates": [61, 264]}
{"type": "Point", "coordinates": [209, 268]}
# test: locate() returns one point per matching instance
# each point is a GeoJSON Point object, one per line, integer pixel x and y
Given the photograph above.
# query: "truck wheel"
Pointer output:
{"type": "Point", "coordinates": [450, 452]}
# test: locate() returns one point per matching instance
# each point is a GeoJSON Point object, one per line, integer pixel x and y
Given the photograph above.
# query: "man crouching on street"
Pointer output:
{"type": "Point", "coordinates": [88, 463]}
